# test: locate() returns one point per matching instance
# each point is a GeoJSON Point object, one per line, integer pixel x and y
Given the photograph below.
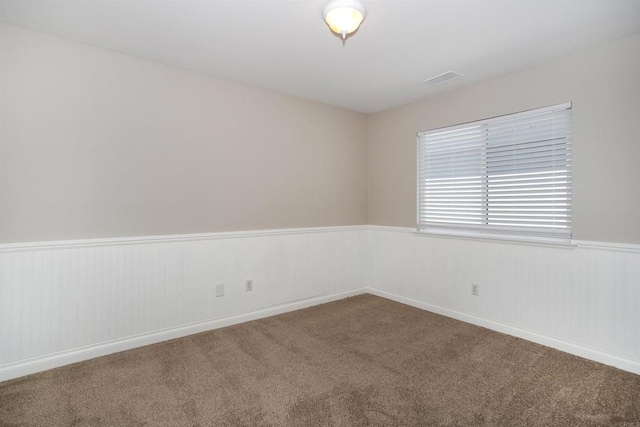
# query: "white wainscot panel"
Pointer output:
{"type": "Point", "coordinates": [63, 302]}
{"type": "Point", "coordinates": [583, 299]}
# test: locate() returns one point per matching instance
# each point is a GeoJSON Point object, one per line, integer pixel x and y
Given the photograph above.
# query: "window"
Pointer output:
{"type": "Point", "coordinates": [504, 175]}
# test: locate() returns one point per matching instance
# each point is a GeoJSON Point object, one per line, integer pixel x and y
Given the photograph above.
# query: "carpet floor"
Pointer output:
{"type": "Point", "coordinates": [356, 362]}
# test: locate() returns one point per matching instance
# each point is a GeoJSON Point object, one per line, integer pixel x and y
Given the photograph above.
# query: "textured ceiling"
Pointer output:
{"type": "Point", "coordinates": [285, 46]}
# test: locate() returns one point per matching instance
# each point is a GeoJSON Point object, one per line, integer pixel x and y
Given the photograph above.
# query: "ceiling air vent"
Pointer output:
{"type": "Point", "coordinates": [443, 78]}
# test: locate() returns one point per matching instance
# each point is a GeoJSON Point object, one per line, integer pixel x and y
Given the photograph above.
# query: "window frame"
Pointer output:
{"type": "Point", "coordinates": [484, 230]}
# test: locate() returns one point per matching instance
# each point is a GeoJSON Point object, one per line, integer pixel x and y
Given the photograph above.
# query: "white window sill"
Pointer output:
{"type": "Point", "coordinates": [526, 240]}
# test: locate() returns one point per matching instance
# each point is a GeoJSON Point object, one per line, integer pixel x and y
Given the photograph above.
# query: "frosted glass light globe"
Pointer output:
{"type": "Point", "coordinates": [344, 16]}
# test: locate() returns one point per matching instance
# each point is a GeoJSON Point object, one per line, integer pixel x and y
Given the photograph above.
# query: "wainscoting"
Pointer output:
{"type": "Point", "coordinates": [583, 299]}
{"type": "Point", "coordinates": [63, 302]}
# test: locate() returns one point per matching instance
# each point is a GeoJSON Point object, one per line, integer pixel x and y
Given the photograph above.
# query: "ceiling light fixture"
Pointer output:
{"type": "Point", "coordinates": [344, 16]}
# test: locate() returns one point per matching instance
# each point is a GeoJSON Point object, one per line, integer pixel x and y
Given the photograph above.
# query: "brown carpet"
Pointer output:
{"type": "Point", "coordinates": [359, 361]}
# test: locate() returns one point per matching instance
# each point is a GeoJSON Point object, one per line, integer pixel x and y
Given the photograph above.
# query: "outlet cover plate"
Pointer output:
{"type": "Point", "coordinates": [220, 290]}
{"type": "Point", "coordinates": [475, 289]}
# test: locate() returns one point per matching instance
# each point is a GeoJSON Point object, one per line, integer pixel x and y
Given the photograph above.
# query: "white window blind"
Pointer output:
{"type": "Point", "coordinates": [505, 175]}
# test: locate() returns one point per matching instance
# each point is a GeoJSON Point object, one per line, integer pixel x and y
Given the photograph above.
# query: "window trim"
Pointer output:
{"type": "Point", "coordinates": [490, 235]}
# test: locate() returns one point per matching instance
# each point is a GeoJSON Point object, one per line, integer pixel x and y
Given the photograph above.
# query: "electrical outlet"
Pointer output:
{"type": "Point", "coordinates": [220, 290]}
{"type": "Point", "coordinates": [248, 286]}
{"type": "Point", "coordinates": [475, 289]}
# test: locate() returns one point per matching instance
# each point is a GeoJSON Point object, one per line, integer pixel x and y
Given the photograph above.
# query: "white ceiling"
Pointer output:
{"type": "Point", "coordinates": [285, 46]}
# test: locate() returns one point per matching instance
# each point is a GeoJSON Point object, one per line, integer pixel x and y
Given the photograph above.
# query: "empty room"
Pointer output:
{"type": "Point", "coordinates": [319, 213]}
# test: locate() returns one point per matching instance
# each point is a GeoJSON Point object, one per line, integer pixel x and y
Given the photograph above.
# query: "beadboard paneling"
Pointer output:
{"type": "Point", "coordinates": [62, 302]}
{"type": "Point", "coordinates": [583, 297]}
{"type": "Point", "coordinates": [56, 298]}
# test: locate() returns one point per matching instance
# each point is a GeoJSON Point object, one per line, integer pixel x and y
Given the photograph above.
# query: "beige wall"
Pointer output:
{"type": "Point", "coordinates": [604, 86]}
{"type": "Point", "coordinates": [99, 144]}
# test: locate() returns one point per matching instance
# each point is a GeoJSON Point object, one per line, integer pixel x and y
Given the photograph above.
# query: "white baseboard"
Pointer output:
{"type": "Point", "coordinates": [50, 361]}
{"type": "Point", "coordinates": [43, 363]}
{"type": "Point", "coordinates": [607, 358]}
